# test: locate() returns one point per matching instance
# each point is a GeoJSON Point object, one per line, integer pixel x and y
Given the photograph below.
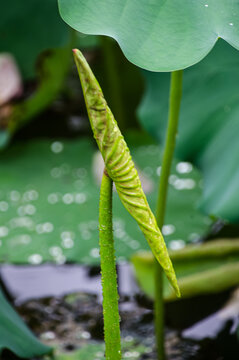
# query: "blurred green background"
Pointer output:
{"type": "Point", "coordinates": [50, 168]}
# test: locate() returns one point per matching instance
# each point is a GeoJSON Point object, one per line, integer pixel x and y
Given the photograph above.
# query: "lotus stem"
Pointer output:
{"type": "Point", "coordinates": [108, 272]}
{"type": "Point", "coordinates": [173, 117]}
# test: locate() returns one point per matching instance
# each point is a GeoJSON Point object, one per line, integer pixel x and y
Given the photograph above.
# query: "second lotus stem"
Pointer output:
{"type": "Point", "coordinates": [173, 117]}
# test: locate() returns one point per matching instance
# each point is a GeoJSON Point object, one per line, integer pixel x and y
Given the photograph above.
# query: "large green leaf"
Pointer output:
{"type": "Point", "coordinates": [208, 126]}
{"type": "Point", "coordinates": [201, 269]}
{"type": "Point", "coordinates": [14, 334]}
{"type": "Point", "coordinates": [49, 203]}
{"type": "Point", "coordinates": [158, 35]}
{"type": "Point", "coordinates": [28, 27]}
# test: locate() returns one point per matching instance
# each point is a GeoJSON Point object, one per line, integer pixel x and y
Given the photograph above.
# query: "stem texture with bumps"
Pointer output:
{"type": "Point", "coordinates": [108, 273]}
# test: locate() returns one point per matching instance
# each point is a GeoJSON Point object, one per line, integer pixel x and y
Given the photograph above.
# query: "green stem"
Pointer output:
{"type": "Point", "coordinates": [108, 273]}
{"type": "Point", "coordinates": [174, 108]}
{"type": "Point", "coordinates": [113, 81]}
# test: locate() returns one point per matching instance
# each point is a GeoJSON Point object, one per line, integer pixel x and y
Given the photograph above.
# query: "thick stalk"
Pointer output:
{"type": "Point", "coordinates": [174, 108]}
{"type": "Point", "coordinates": [113, 81]}
{"type": "Point", "coordinates": [108, 273]}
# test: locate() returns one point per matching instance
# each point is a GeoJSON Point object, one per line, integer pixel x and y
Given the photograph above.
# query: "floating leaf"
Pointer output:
{"type": "Point", "coordinates": [48, 197]}
{"type": "Point", "coordinates": [160, 35]}
{"type": "Point", "coordinates": [208, 125]}
{"type": "Point", "coordinates": [15, 336]}
{"type": "Point", "coordinates": [120, 166]}
{"type": "Point", "coordinates": [201, 269]}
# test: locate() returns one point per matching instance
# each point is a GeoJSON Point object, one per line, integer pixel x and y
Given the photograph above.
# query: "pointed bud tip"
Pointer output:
{"type": "Point", "coordinates": [178, 293]}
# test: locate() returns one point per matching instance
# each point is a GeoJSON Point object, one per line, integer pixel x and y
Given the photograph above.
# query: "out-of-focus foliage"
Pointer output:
{"type": "Point", "coordinates": [15, 336]}
{"type": "Point", "coordinates": [158, 35]}
{"type": "Point", "coordinates": [51, 77]}
{"type": "Point", "coordinates": [208, 127]}
{"type": "Point", "coordinates": [29, 27]}
{"type": "Point", "coordinates": [49, 202]}
{"type": "Point", "coordinates": [121, 81]}
{"type": "Point", "coordinates": [201, 269]}
{"type": "Point", "coordinates": [39, 41]}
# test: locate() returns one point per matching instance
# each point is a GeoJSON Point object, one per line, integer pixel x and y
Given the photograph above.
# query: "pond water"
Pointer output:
{"type": "Point", "coordinates": [62, 305]}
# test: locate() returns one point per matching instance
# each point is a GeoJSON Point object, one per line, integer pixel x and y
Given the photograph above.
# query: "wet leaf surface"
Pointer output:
{"type": "Point", "coordinates": [158, 35]}
{"type": "Point", "coordinates": [49, 203]}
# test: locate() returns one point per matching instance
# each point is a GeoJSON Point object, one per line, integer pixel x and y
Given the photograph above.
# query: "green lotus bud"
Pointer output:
{"type": "Point", "coordinates": [120, 166]}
